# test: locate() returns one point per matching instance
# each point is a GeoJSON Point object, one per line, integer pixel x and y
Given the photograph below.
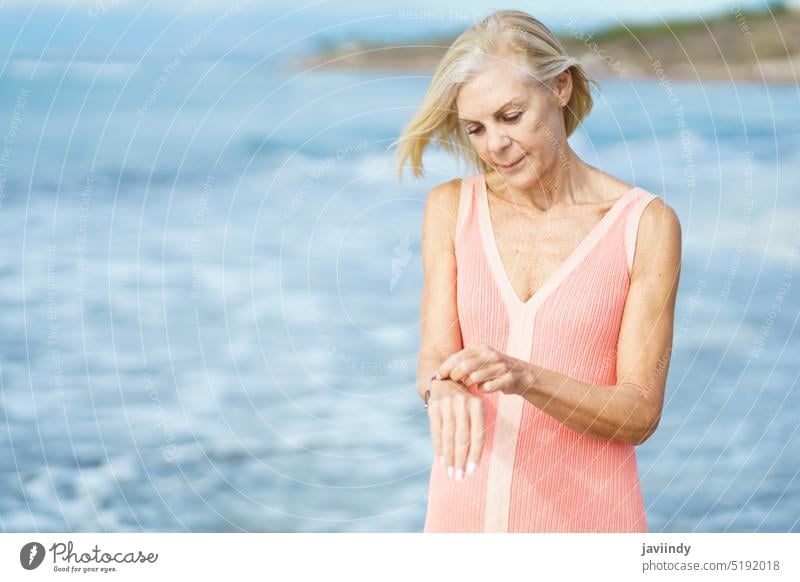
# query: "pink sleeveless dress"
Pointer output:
{"type": "Point", "coordinates": [535, 473]}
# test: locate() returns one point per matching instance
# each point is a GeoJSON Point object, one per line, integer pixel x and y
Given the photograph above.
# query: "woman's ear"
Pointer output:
{"type": "Point", "coordinates": [562, 86]}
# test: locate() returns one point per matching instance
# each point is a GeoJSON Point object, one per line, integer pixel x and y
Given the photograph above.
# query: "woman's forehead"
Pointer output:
{"type": "Point", "coordinates": [488, 94]}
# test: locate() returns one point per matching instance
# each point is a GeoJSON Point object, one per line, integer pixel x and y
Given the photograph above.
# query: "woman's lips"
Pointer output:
{"type": "Point", "coordinates": [514, 165]}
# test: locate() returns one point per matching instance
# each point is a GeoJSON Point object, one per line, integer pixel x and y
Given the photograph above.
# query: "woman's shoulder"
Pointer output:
{"type": "Point", "coordinates": [447, 192]}
{"type": "Point", "coordinates": [446, 196]}
{"type": "Point", "coordinates": [657, 214]}
{"type": "Point", "coordinates": [659, 235]}
{"type": "Point", "coordinates": [441, 208]}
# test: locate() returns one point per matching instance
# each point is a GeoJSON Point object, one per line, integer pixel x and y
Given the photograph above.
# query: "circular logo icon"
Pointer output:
{"type": "Point", "coordinates": [31, 555]}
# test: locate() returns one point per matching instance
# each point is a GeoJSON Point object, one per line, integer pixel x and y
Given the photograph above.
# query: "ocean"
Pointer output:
{"type": "Point", "coordinates": [210, 284]}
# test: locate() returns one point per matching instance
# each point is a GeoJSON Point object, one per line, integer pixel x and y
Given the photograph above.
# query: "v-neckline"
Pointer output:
{"type": "Point", "coordinates": [560, 273]}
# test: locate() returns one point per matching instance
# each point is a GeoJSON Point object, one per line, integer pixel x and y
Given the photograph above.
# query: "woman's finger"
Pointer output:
{"type": "Point", "coordinates": [446, 368]}
{"type": "Point", "coordinates": [464, 367]}
{"type": "Point", "coordinates": [499, 383]}
{"type": "Point", "coordinates": [443, 371]}
{"type": "Point", "coordinates": [471, 366]}
{"type": "Point", "coordinates": [435, 418]}
{"type": "Point", "coordinates": [484, 374]}
{"type": "Point", "coordinates": [461, 435]}
{"type": "Point", "coordinates": [476, 433]}
{"type": "Point", "coordinates": [448, 430]}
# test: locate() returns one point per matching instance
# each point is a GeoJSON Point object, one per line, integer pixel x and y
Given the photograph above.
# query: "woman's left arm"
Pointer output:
{"type": "Point", "coordinates": [629, 411]}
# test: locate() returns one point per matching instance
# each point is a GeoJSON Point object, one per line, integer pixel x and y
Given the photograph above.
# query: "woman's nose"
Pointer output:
{"type": "Point", "coordinates": [498, 141]}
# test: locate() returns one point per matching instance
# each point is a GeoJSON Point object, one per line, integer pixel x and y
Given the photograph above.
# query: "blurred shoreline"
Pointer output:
{"type": "Point", "coordinates": [737, 45]}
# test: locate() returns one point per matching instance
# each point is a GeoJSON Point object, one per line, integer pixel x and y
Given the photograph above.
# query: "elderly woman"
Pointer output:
{"type": "Point", "coordinates": [548, 301]}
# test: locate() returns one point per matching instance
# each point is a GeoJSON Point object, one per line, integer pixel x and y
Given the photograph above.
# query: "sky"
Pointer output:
{"type": "Point", "coordinates": [58, 29]}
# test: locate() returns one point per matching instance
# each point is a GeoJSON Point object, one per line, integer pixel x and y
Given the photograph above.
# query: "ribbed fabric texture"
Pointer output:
{"type": "Point", "coordinates": [549, 478]}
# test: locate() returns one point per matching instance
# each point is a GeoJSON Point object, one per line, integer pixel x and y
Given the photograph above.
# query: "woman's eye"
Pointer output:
{"type": "Point", "coordinates": [510, 118]}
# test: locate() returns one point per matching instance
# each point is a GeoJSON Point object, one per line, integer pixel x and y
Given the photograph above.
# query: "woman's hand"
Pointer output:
{"type": "Point", "coordinates": [456, 419]}
{"type": "Point", "coordinates": [489, 369]}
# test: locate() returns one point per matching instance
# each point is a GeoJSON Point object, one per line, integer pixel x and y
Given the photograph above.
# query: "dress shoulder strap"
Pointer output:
{"type": "Point", "coordinates": [632, 224]}
{"type": "Point", "coordinates": [468, 188]}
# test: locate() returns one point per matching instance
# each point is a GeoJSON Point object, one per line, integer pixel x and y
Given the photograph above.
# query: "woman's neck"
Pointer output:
{"type": "Point", "coordinates": [559, 186]}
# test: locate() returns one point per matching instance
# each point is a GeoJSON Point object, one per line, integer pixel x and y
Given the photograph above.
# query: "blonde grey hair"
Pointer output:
{"type": "Point", "coordinates": [505, 31]}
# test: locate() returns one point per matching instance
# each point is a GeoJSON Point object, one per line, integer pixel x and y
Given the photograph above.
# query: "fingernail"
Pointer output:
{"type": "Point", "coordinates": [459, 474]}
{"type": "Point", "coordinates": [471, 468]}
{"type": "Point", "coordinates": [449, 472]}
{"type": "Point", "coordinates": [441, 458]}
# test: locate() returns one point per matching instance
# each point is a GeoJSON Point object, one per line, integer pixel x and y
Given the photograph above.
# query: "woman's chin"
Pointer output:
{"type": "Point", "coordinates": [523, 177]}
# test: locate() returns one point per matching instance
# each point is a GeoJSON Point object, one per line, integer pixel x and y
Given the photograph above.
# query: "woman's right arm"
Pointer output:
{"type": "Point", "coordinates": [456, 416]}
{"type": "Point", "coordinates": [440, 333]}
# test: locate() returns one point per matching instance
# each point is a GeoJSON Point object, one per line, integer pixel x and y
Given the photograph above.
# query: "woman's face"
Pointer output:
{"type": "Point", "coordinates": [510, 118]}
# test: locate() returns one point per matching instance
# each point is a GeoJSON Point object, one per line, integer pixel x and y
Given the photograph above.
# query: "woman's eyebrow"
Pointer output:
{"type": "Point", "coordinates": [511, 102]}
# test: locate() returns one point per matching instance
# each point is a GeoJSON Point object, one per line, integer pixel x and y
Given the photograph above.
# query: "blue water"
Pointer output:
{"type": "Point", "coordinates": [209, 292]}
